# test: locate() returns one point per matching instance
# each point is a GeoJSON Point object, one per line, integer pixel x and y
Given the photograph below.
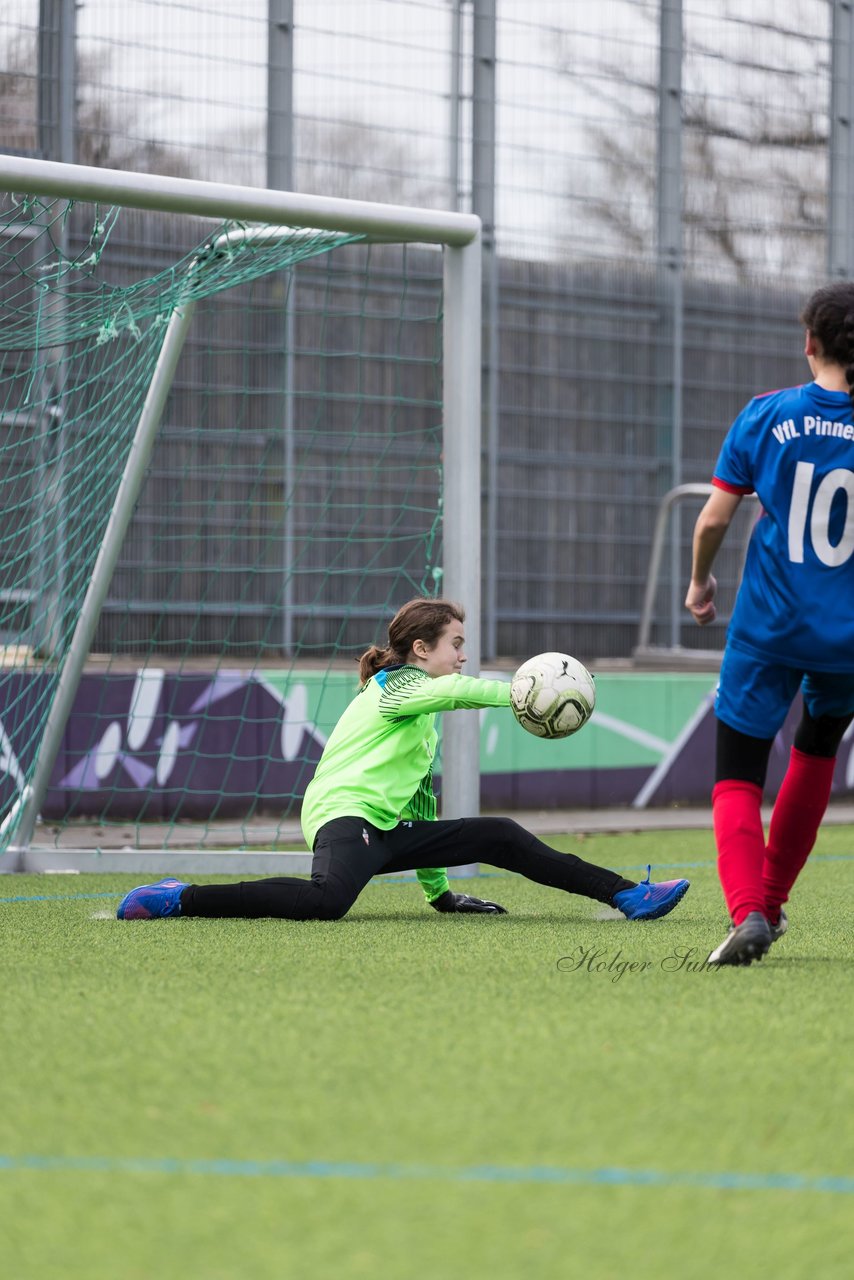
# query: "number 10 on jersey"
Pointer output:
{"type": "Point", "coordinates": [829, 553]}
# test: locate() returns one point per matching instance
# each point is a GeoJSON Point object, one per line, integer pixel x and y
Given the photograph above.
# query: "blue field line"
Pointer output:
{"type": "Point", "coordinates": [488, 1173]}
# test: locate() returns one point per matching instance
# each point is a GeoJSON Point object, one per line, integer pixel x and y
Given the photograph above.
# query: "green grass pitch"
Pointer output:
{"type": "Point", "coordinates": [403, 1095]}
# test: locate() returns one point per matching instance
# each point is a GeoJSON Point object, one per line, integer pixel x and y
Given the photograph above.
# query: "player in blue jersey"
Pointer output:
{"type": "Point", "coordinates": [370, 807]}
{"type": "Point", "coordinates": [792, 627]}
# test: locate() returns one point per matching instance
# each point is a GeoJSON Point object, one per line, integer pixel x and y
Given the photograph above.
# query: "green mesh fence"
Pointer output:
{"type": "Point", "coordinates": [291, 503]}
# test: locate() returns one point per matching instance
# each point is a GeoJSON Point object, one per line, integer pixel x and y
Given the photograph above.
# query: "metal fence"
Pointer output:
{"type": "Point", "coordinates": [660, 185]}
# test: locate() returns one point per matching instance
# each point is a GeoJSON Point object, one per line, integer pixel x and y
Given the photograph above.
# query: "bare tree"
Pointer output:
{"type": "Point", "coordinates": [109, 134]}
{"type": "Point", "coordinates": [18, 92]}
{"type": "Point", "coordinates": [754, 144]}
{"type": "Point", "coordinates": [357, 160]}
{"type": "Point", "coordinates": [348, 158]}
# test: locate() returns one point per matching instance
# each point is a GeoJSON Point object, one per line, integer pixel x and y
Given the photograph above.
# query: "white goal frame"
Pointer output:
{"type": "Point", "coordinates": [459, 235]}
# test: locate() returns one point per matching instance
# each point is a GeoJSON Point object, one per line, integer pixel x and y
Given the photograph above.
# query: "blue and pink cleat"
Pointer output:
{"type": "Point", "coordinates": [648, 901]}
{"type": "Point", "coordinates": [152, 901]}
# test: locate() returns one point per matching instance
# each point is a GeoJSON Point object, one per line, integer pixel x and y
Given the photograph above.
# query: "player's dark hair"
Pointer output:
{"type": "Point", "coordinates": [420, 619]}
{"type": "Point", "coordinates": [829, 316]}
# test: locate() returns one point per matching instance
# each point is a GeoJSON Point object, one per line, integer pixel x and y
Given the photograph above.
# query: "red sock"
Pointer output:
{"type": "Point", "coordinates": [798, 811]}
{"type": "Point", "coordinates": [741, 845]}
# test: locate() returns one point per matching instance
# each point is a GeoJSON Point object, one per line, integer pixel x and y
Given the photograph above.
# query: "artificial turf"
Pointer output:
{"type": "Point", "coordinates": [400, 1094]}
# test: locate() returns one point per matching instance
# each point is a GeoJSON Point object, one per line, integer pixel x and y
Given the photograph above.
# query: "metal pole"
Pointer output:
{"type": "Point", "coordinates": [57, 105]}
{"type": "Point", "coordinates": [280, 177]}
{"type": "Point", "coordinates": [280, 94]}
{"type": "Point", "coordinates": [670, 263]}
{"type": "Point", "coordinates": [677, 586]}
{"type": "Point", "coordinates": [483, 204]}
{"type": "Point", "coordinates": [669, 502]}
{"type": "Point", "coordinates": [840, 231]}
{"type": "Point", "coordinates": [57, 111]}
{"type": "Point", "coordinates": [461, 513]}
{"type": "Point", "coordinates": [25, 812]}
{"type": "Point", "coordinates": [455, 104]}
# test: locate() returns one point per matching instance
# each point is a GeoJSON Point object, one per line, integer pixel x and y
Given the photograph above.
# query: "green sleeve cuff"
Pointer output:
{"type": "Point", "coordinates": [434, 882]}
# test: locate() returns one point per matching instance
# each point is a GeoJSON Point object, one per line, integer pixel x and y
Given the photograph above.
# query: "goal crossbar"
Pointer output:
{"type": "Point", "coordinates": [222, 200]}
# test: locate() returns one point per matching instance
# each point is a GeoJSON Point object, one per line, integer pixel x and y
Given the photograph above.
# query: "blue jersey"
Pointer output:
{"type": "Point", "coordinates": [795, 450]}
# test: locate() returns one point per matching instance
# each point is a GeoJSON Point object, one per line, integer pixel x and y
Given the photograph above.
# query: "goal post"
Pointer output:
{"type": "Point", "coordinates": [258, 232]}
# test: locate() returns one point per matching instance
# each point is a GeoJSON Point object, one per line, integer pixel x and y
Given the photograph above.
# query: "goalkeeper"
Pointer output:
{"type": "Point", "coordinates": [370, 809]}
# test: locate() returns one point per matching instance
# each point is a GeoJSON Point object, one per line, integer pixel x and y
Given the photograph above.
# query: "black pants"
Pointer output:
{"type": "Point", "coordinates": [739, 756]}
{"type": "Point", "coordinates": [349, 851]}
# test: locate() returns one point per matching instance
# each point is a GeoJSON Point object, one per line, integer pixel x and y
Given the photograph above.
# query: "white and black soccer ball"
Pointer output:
{"type": "Point", "coordinates": [552, 695]}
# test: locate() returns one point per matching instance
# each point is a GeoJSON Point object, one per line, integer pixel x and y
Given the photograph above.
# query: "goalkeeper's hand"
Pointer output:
{"type": "Point", "coordinates": [461, 902]}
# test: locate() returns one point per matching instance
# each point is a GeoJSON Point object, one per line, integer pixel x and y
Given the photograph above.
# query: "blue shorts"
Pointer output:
{"type": "Point", "coordinates": [754, 695]}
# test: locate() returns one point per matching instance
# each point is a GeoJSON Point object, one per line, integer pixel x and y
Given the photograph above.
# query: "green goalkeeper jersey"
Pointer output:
{"type": "Point", "coordinates": [378, 762]}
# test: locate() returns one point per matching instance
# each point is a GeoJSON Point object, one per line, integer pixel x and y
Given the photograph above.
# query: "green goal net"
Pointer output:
{"type": "Point", "coordinates": [288, 500]}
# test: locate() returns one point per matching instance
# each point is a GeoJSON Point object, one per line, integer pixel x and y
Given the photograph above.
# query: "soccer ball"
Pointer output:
{"type": "Point", "coordinates": [552, 695]}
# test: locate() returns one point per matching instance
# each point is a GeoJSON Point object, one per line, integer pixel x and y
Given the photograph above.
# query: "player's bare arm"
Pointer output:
{"type": "Point", "coordinates": [709, 532]}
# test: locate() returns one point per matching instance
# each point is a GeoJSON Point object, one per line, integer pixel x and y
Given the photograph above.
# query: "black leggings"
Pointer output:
{"type": "Point", "coordinates": [349, 851]}
{"type": "Point", "coordinates": [741, 757]}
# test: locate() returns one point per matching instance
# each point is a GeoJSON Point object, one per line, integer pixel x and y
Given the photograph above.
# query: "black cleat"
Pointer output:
{"type": "Point", "coordinates": [745, 942]}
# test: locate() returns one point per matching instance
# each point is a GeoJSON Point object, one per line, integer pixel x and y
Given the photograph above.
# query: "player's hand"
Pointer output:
{"type": "Point", "coordinates": [461, 902]}
{"type": "Point", "coordinates": [700, 601]}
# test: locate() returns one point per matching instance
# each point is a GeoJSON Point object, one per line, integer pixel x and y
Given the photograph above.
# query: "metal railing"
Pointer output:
{"type": "Point", "coordinates": [669, 503]}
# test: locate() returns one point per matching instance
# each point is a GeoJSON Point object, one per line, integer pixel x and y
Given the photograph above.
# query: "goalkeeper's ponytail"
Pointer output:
{"type": "Point", "coordinates": [374, 659]}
